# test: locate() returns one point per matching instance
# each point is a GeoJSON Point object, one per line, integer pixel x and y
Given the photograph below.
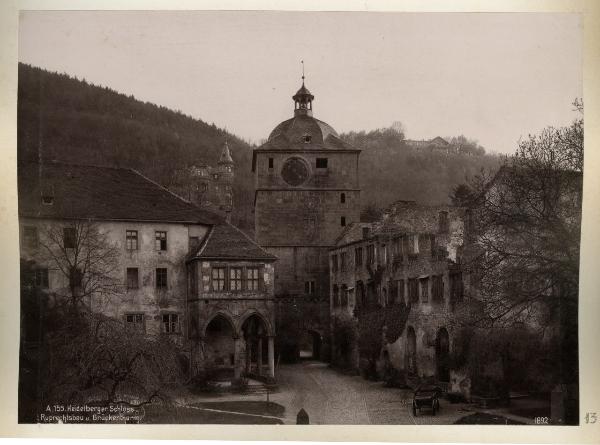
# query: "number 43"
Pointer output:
{"type": "Point", "coordinates": [590, 418]}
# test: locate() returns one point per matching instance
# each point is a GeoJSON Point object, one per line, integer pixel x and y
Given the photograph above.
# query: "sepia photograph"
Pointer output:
{"type": "Point", "coordinates": [299, 217]}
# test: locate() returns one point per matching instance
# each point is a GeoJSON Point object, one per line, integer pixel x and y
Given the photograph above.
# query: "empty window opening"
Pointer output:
{"type": "Point", "coordinates": [424, 290]}
{"type": "Point", "coordinates": [343, 221]}
{"type": "Point", "coordinates": [343, 198]}
{"type": "Point", "coordinates": [358, 256]}
{"type": "Point", "coordinates": [321, 162]}
{"type": "Point", "coordinates": [271, 162]}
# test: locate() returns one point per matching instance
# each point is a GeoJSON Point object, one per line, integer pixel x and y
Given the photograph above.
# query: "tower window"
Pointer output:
{"type": "Point", "coordinates": [271, 162]}
{"type": "Point", "coordinates": [307, 138]}
{"type": "Point", "coordinates": [343, 198]}
{"type": "Point", "coordinates": [343, 221]}
{"type": "Point", "coordinates": [321, 162]}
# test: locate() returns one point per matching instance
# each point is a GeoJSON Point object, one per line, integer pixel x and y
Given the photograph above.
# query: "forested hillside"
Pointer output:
{"type": "Point", "coordinates": [70, 120]}
{"type": "Point", "coordinates": [390, 170]}
{"type": "Point", "coordinates": [66, 119]}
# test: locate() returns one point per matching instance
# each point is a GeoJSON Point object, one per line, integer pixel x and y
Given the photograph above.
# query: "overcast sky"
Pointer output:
{"type": "Point", "coordinates": [492, 77]}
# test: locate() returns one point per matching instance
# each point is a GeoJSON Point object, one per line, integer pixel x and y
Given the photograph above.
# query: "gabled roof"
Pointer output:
{"type": "Point", "coordinates": [439, 140]}
{"type": "Point", "coordinates": [101, 193]}
{"type": "Point", "coordinates": [225, 241]}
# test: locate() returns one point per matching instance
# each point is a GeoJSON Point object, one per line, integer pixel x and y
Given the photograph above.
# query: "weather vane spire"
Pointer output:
{"type": "Point", "coordinates": [302, 62]}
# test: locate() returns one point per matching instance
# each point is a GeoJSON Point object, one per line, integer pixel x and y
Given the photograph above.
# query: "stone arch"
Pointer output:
{"type": "Point", "coordinates": [311, 341]}
{"type": "Point", "coordinates": [219, 340]}
{"type": "Point", "coordinates": [266, 323]}
{"type": "Point", "coordinates": [257, 339]}
{"type": "Point", "coordinates": [226, 316]}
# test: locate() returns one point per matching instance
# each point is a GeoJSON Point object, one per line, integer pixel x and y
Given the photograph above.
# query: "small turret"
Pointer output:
{"type": "Point", "coordinates": [303, 99]}
{"type": "Point", "coordinates": [225, 164]}
{"type": "Point", "coordinates": [224, 185]}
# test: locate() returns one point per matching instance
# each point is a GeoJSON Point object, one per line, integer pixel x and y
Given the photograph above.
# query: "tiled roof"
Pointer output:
{"type": "Point", "coordinates": [225, 241]}
{"type": "Point", "coordinates": [101, 193]}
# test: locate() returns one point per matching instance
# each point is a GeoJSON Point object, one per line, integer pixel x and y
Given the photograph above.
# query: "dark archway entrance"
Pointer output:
{"type": "Point", "coordinates": [259, 355]}
{"type": "Point", "coordinates": [442, 355]}
{"type": "Point", "coordinates": [411, 351]}
{"type": "Point", "coordinates": [219, 347]}
{"type": "Point", "coordinates": [310, 345]}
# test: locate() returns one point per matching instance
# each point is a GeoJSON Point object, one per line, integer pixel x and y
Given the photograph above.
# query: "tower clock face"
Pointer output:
{"type": "Point", "coordinates": [295, 171]}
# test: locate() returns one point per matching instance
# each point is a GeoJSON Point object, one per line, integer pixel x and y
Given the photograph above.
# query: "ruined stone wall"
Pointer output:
{"type": "Point", "coordinates": [390, 273]}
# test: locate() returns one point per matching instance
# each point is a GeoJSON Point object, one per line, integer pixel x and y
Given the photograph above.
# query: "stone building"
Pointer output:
{"type": "Point", "coordinates": [409, 263]}
{"type": "Point", "coordinates": [208, 187]}
{"type": "Point", "coordinates": [437, 144]}
{"type": "Point", "coordinates": [231, 304]}
{"type": "Point", "coordinates": [159, 246]}
{"type": "Point", "coordinates": [307, 192]}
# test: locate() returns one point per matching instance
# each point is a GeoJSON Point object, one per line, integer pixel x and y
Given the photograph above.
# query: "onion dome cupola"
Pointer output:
{"type": "Point", "coordinates": [303, 99]}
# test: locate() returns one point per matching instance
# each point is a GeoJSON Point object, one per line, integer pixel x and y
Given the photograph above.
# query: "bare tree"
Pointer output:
{"type": "Point", "coordinates": [87, 262]}
{"type": "Point", "coordinates": [525, 224]}
{"type": "Point", "coordinates": [84, 355]}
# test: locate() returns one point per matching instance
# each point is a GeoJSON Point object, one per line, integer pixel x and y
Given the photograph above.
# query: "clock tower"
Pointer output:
{"type": "Point", "coordinates": [307, 192]}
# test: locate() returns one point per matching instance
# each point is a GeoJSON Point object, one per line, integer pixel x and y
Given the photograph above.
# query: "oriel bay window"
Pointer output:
{"type": "Point", "coordinates": [252, 278]}
{"type": "Point", "coordinates": [235, 278]}
{"type": "Point", "coordinates": [218, 278]}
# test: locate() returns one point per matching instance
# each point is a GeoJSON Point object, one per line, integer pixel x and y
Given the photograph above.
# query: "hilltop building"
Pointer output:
{"type": "Point", "coordinates": [437, 144]}
{"type": "Point", "coordinates": [178, 270]}
{"type": "Point", "coordinates": [208, 187]}
{"type": "Point", "coordinates": [307, 192]}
